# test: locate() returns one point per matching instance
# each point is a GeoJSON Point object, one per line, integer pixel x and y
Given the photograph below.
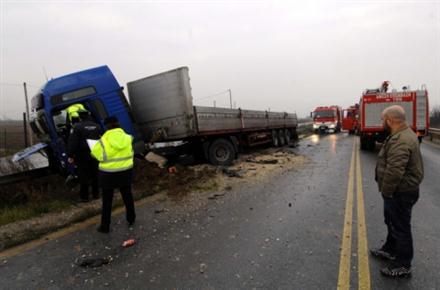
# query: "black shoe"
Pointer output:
{"type": "Point", "coordinates": [130, 223]}
{"type": "Point", "coordinates": [382, 254]}
{"type": "Point", "coordinates": [396, 272]}
{"type": "Point", "coordinates": [103, 230]}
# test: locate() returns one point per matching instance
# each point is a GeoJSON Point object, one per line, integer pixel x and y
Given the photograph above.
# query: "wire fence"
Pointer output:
{"type": "Point", "coordinates": [12, 137]}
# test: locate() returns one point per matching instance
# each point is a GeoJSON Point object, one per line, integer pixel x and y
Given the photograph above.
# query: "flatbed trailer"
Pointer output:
{"type": "Point", "coordinates": [162, 106]}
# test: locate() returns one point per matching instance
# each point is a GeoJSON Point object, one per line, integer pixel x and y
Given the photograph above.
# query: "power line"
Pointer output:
{"type": "Point", "coordinates": [210, 96]}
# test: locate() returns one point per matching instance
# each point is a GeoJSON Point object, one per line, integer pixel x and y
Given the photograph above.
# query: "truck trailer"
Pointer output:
{"type": "Point", "coordinates": [374, 101]}
{"type": "Point", "coordinates": [161, 109]}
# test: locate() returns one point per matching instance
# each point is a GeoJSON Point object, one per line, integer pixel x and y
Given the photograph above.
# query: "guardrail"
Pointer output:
{"type": "Point", "coordinates": [434, 134]}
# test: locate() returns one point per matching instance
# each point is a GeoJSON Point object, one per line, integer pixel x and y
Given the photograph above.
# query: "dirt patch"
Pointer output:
{"type": "Point", "coordinates": [193, 184]}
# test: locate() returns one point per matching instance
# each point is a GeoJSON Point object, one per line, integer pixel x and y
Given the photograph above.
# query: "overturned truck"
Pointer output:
{"type": "Point", "coordinates": [160, 111]}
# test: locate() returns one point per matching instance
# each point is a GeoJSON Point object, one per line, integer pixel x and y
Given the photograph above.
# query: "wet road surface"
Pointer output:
{"type": "Point", "coordinates": [281, 233]}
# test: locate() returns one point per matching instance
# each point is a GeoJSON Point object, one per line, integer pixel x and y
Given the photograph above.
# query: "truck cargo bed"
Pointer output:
{"type": "Point", "coordinates": [163, 109]}
{"type": "Point", "coordinates": [211, 120]}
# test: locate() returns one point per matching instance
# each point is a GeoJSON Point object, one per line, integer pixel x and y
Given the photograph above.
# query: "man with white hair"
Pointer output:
{"type": "Point", "coordinates": [399, 171]}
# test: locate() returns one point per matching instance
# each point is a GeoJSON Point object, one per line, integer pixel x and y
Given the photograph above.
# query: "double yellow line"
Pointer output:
{"type": "Point", "coordinates": [362, 246]}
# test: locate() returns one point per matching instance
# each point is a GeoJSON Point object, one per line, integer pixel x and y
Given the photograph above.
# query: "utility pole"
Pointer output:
{"type": "Point", "coordinates": [214, 104]}
{"type": "Point", "coordinates": [27, 113]}
{"type": "Point", "coordinates": [230, 97]}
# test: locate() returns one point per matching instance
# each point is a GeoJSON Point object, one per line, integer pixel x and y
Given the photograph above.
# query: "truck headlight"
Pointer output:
{"type": "Point", "coordinates": [315, 126]}
{"type": "Point", "coordinates": [331, 125]}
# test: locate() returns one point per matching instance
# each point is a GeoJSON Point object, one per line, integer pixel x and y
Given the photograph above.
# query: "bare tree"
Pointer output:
{"type": "Point", "coordinates": [435, 117]}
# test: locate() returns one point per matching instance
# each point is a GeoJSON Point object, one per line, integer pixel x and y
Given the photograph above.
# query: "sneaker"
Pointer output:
{"type": "Point", "coordinates": [396, 272]}
{"type": "Point", "coordinates": [103, 230]}
{"type": "Point", "coordinates": [382, 254]}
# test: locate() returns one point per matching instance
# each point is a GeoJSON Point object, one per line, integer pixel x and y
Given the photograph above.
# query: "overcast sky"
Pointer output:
{"type": "Point", "coordinates": [286, 56]}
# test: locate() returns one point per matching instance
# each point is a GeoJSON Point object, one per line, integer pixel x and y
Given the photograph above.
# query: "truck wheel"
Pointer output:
{"type": "Point", "coordinates": [281, 137]}
{"type": "Point", "coordinates": [363, 144]}
{"type": "Point", "coordinates": [275, 140]}
{"type": "Point", "coordinates": [221, 152]}
{"type": "Point", "coordinates": [287, 136]}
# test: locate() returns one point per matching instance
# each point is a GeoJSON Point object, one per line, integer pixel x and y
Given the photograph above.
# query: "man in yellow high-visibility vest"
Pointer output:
{"type": "Point", "coordinates": [114, 153]}
{"type": "Point", "coordinates": [73, 111]}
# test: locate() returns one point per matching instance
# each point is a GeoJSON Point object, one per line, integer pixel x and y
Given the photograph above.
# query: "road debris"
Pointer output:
{"type": "Point", "coordinates": [93, 262]}
{"type": "Point", "coordinates": [234, 172]}
{"type": "Point", "coordinates": [216, 195]}
{"type": "Point", "coordinates": [128, 243]}
{"type": "Point", "coordinates": [157, 159]}
{"type": "Point", "coordinates": [267, 161]}
{"type": "Point", "coordinates": [203, 268]}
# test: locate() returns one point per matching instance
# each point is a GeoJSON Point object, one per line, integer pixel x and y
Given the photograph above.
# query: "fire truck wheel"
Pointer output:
{"type": "Point", "coordinates": [221, 152]}
{"type": "Point", "coordinates": [275, 141]}
{"type": "Point", "coordinates": [281, 138]}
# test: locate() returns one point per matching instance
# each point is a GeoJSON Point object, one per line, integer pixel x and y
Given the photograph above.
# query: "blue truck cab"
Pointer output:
{"type": "Point", "coordinates": [100, 93]}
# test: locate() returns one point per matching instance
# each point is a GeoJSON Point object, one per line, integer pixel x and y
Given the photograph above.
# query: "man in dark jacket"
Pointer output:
{"type": "Point", "coordinates": [78, 152]}
{"type": "Point", "coordinates": [399, 171]}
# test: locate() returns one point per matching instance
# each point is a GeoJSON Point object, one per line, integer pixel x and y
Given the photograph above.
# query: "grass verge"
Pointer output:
{"type": "Point", "coordinates": [23, 212]}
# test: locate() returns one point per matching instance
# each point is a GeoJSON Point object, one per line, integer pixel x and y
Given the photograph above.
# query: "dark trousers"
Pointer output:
{"type": "Point", "coordinates": [87, 169]}
{"type": "Point", "coordinates": [397, 213]}
{"type": "Point", "coordinates": [107, 200]}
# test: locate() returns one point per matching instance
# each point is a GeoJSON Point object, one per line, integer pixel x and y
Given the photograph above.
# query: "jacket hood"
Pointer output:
{"type": "Point", "coordinates": [118, 139]}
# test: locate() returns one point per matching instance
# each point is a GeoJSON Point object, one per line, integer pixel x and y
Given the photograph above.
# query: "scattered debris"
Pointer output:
{"type": "Point", "coordinates": [267, 161]}
{"type": "Point", "coordinates": [290, 204]}
{"type": "Point", "coordinates": [128, 243]}
{"type": "Point", "coordinates": [93, 262]}
{"type": "Point", "coordinates": [203, 268]}
{"type": "Point", "coordinates": [156, 158]}
{"type": "Point", "coordinates": [216, 195]}
{"type": "Point", "coordinates": [234, 172]}
{"type": "Point", "coordinates": [159, 210]}
{"type": "Point", "coordinates": [172, 169]}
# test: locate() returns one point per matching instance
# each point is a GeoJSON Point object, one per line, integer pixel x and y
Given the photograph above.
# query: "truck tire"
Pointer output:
{"type": "Point", "coordinates": [275, 140]}
{"type": "Point", "coordinates": [363, 143]}
{"type": "Point", "coordinates": [287, 136]}
{"type": "Point", "coordinates": [281, 138]}
{"type": "Point", "coordinates": [221, 152]}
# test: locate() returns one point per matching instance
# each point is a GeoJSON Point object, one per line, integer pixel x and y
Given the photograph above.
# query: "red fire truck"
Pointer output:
{"type": "Point", "coordinates": [350, 117]}
{"type": "Point", "coordinates": [373, 102]}
{"type": "Point", "coordinates": [327, 119]}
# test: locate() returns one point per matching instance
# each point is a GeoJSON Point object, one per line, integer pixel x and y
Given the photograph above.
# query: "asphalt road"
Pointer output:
{"type": "Point", "coordinates": [281, 233]}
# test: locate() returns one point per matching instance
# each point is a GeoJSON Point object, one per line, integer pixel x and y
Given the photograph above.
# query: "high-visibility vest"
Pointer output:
{"type": "Point", "coordinates": [114, 151]}
{"type": "Point", "coordinates": [72, 111]}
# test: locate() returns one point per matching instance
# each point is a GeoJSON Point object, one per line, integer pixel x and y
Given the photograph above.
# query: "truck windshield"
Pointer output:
{"type": "Point", "coordinates": [72, 95]}
{"type": "Point", "coordinates": [324, 114]}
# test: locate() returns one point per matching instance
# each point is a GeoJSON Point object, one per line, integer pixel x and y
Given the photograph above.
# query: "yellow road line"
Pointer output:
{"type": "Point", "coordinates": [345, 258]}
{"type": "Point", "coordinates": [65, 231]}
{"type": "Point", "coordinates": [363, 266]}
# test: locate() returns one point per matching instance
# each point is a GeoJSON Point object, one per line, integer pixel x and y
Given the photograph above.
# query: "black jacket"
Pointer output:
{"type": "Point", "coordinates": [77, 144]}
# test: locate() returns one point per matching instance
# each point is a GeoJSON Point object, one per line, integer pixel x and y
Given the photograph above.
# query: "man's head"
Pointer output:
{"type": "Point", "coordinates": [111, 122]}
{"type": "Point", "coordinates": [393, 117]}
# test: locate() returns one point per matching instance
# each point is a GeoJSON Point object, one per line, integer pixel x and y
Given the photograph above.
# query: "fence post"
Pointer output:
{"type": "Point", "coordinates": [25, 130]}
{"type": "Point", "coordinates": [4, 135]}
